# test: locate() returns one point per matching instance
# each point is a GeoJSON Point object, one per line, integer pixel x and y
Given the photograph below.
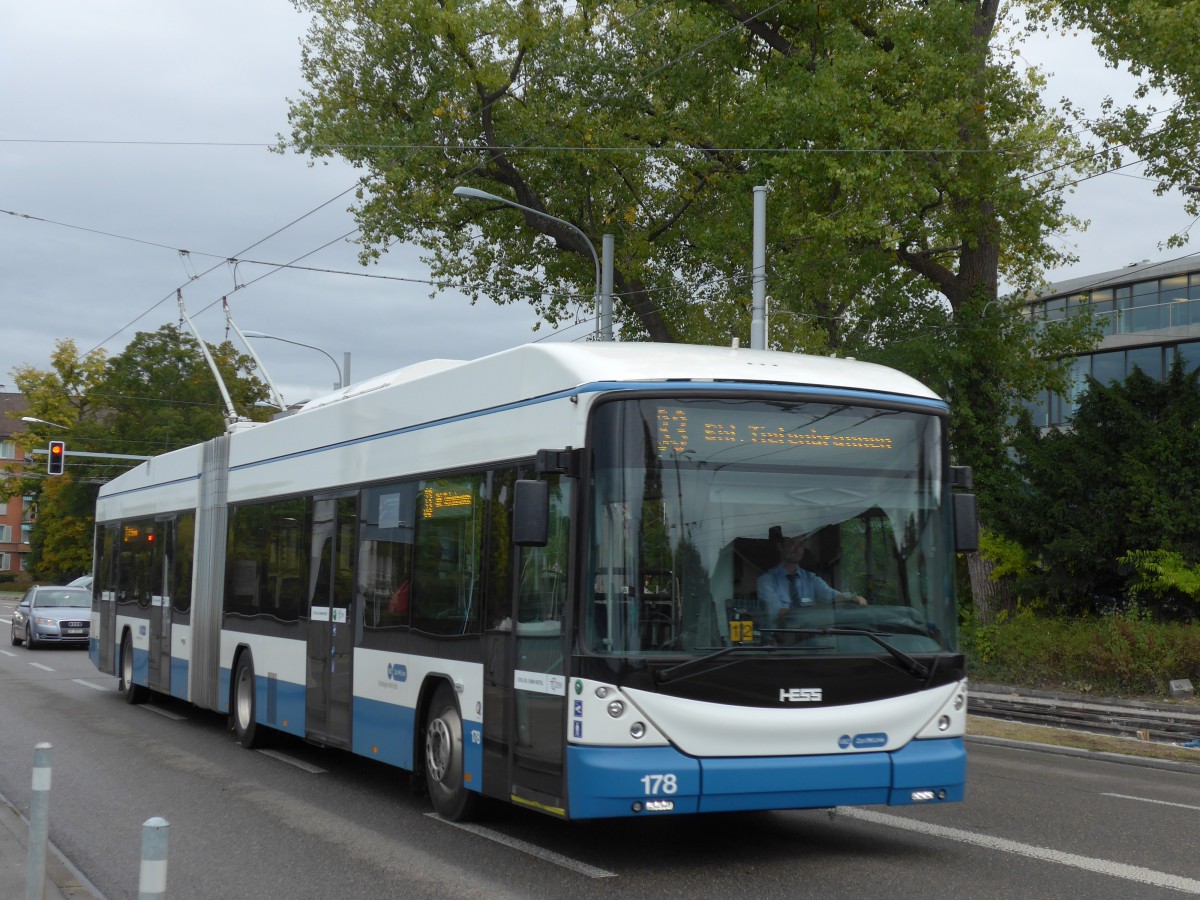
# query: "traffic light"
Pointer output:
{"type": "Point", "coordinates": [58, 454]}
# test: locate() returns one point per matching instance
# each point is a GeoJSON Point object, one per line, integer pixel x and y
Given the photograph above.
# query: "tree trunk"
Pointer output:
{"type": "Point", "coordinates": [989, 596]}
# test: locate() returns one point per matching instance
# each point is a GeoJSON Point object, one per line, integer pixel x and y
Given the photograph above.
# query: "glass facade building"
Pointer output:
{"type": "Point", "coordinates": [1149, 313]}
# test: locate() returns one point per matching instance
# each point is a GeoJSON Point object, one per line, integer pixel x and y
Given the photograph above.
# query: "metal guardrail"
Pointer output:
{"type": "Point", "coordinates": [1162, 723]}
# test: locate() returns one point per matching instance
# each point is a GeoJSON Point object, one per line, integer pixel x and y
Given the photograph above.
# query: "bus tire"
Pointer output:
{"type": "Point", "coordinates": [444, 758]}
{"type": "Point", "coordinates": [242, 706]}
{"type": "Point", "coordinates": [133, 693]}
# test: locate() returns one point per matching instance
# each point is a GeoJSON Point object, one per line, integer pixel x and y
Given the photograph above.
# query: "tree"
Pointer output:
{"type": "Point", "coordinates": [911, 161]}
{"type": "Point", "coordinates": [1119, 483]}
{"type": "Point", "coordinates": [159, 393]}
{"type": "Point", "coordinates": [1154, 40]}
{"type": "Point", "coordinates": [155, 396]}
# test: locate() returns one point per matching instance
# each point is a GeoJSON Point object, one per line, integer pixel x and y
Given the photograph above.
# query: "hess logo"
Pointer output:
{"type": "Point", "coordinates": [799, 695]}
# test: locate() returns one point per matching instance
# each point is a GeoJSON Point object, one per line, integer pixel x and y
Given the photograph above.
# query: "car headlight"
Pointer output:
{"type": "Point", "coordinates": [43, 620]}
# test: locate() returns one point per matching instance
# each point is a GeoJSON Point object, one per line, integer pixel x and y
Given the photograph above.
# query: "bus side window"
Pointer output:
{"type": "Point", "coordinates": [446, 561]}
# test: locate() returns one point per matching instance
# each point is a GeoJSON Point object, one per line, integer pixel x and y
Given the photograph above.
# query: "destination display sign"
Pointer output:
{"type": "Point", "coordinates": [438, 503]}
{"type": "Point", "coordinates": [705, 432]}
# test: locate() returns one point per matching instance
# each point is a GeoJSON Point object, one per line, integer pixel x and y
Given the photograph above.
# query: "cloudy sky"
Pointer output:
{"type": "Point", "coordinates": [133, 129]}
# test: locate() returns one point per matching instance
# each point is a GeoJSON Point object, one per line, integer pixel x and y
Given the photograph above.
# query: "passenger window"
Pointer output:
{"type": "Point", "coordinates": [385, 556]}
{"type": "Point", "coordinates": [446, 565]}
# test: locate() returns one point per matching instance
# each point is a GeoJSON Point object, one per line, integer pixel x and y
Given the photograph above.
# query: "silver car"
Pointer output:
{"type": "Point", "coordinates": [52, 615]}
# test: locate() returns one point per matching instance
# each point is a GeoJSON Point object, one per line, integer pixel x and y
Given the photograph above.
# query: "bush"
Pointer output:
{"type": "Point", "coordinates": [1121, 654]}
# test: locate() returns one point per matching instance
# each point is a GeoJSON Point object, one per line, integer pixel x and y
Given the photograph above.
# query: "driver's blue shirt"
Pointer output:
{"type": "Point", "coordinates": [775, 590]}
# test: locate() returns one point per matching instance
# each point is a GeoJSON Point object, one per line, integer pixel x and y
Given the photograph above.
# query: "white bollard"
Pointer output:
{"type": "Point", "coordinates": [39, 824]}
{"type": "Point", "coordinates": [152, 880]}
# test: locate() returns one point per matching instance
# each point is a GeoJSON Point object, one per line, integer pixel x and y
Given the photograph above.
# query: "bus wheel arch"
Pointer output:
{"type": "Point", "coordinates": [440, 752]}
{"type": "Point", "coordinates": [131, 691]}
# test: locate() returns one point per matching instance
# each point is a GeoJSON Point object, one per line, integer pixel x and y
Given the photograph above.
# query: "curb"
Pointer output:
{"type": "Point", "coordinates": [1182, 707]}
{"type": "Point", "coordinates": [63, 880]}
{"type": "Point", "coordinates": [1145, 762]}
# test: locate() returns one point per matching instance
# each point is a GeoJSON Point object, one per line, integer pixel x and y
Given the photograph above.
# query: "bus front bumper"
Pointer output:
{"type": "Point", "coordinates": [628, 781]}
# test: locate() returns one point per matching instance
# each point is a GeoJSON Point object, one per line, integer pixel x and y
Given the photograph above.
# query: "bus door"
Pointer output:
{"type": "Point", "coordinates": [330, 630]}
{"type": "Point", "coordinates": [158, 676]}
{"type": "Point", "coordinates": [104, 598]}
{"type": "Point", "coordinates": [539, 737]}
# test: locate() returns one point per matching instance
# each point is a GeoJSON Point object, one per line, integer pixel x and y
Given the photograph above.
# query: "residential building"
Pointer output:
{"type": "Point", "coordinates": [16, 514]}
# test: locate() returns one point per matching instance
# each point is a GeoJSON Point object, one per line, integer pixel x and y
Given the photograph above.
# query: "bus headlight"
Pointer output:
{"type": "Point", "coordinates": [637, 730]}
{"type": "Point", "coordinates": [616, 708]}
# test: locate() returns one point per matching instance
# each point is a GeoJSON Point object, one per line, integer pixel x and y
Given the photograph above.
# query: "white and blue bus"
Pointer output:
{"type": "Point", "coordinates": [536, 577]}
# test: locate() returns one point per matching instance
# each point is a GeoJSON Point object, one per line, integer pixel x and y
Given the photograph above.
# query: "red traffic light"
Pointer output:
{"type": "Point", "coordinates": [57, 457]}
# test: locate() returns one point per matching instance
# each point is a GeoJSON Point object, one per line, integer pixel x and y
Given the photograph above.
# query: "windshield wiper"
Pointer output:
{"type": "Point", "coordinates": [684, 668]}
{"type": "Point", "coordinates": [914, 667]}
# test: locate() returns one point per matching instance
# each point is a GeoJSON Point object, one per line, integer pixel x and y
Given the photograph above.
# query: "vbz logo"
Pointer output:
{"type": "Point", "coordinates": [799, 695]}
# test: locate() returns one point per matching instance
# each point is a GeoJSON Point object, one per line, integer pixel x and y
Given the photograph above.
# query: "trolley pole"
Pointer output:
{"type": "Point", "coordinates": [758, 309]}
{"type": "Point", "coordinates": [39, 824]}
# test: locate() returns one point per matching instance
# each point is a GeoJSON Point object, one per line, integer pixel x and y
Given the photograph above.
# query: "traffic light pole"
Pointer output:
{"type": "Point", "coordinates": [94, 455]}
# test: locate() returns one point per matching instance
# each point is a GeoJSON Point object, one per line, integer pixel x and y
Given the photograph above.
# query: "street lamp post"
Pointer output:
{"type": "Point", "coordinates": [601, 297]}
{"type": "Point", "coordinates": [271, 337]}
{"type": "Point", "coordinates": [44, 422]}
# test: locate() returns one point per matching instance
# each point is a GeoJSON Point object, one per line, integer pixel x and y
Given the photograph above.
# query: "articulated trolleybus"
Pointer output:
{"type": "Point", "coordinates": [545, 577]}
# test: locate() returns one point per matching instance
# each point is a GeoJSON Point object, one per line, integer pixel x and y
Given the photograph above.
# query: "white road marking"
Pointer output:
{"type": "Point", "coordinates": [165, 713]}
{"type": "Point", "coordinates": [94, 687]}
{"type": "Point", "coordinates": [40, 666]}
{"type": "Point", "coordinates": [8, 653]}
{"type": "Point", "coordinates": [987, 841]}
{"type": "Point", "coordinates": [532, 849]}
{"type": "Point", "coordinates": [1148, 800]}
{"type": "Point", "coordinates": [292, 761]}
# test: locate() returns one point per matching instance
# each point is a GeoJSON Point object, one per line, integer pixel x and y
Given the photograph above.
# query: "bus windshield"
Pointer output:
{"type": "Point", "coordinates": [704, 510]}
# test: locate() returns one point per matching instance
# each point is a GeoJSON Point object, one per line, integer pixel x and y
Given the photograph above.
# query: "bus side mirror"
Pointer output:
{"type": "Point", "coordinates": [531, 513]}
{"type": "Point", "coordinates": [966, 519]}
{"type": "Point", "coordinates": [966, 524]}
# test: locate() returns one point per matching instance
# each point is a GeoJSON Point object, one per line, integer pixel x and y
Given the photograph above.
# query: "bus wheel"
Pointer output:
{"type": "Point", "coordinates": [241, 710]}
{"type": "Point", "coordinates": [444, 759]}
{"type": "Point", "coordinates": [134, 693]}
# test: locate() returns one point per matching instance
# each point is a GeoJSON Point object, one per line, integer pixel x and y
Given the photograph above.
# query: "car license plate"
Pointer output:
{"type": "Point", "coordinates": [74, 631]}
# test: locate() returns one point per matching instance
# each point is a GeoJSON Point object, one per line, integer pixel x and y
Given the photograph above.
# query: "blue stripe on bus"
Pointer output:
{"type": "Point", "coordinates": [473, 756]}
{"type": "Point", "coordinates": [937, 765]}
{"type": "Point", "coordinates": [795, 782]}
{"type": "Point", "coordinates": [384, 731]}
{"type": "Point", "coordinates": [288, 703]}
{"type": "Point", "coordinates": [141, 666]}
{"type": "Point", "coordinates": [179, 678]}
{"type": "Point", "coordinates": [153, 487]}
{"type": "Point", "coordinates": [670, 386]}
{"type": "Point", "coordinates": [609, 781]}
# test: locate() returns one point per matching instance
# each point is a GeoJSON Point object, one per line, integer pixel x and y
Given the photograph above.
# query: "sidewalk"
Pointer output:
{"type": "Point", "coordinates": [63, 880]}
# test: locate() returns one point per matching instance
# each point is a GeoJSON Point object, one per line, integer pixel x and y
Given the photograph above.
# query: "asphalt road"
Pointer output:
{"type": "Point", "coordinates": [306, 823]}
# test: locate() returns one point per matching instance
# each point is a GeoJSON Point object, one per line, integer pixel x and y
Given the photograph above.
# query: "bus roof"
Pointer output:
{"type": "Point", "coordinates": [442, 390]}
{"type": "Point", "coordinates": [536, 369]}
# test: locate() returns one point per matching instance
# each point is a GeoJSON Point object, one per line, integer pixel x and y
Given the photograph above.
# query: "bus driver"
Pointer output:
{"type": "Point", "coordinates": [786, 586]}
